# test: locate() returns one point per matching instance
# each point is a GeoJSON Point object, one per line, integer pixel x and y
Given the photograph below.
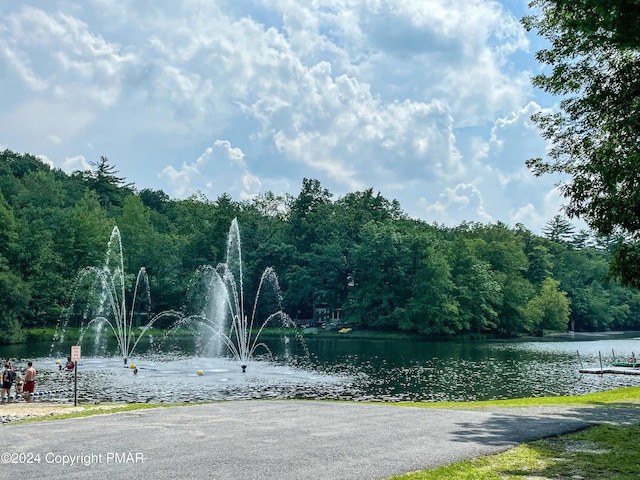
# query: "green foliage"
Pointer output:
{"type": "Point", "coordinates": [548, 309]}
{"type": "Point", "coordinates": [105, 182]}
{"type": "Point", "coordinates": [358, 258]}
{"type": "Point", "coordinates": [382, 276]}
{"type": "Point", "coordinates": [603, 451]}
{"type": "Point", "coordinates": [594, 60]}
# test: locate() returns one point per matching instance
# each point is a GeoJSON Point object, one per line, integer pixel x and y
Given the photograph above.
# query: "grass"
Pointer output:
{"type": "Point", "coordinates": [601, 452]}
{"type": "Point", "coordinates": [72, 334]}
{"type": "Point", "coordinates": [627, 395]}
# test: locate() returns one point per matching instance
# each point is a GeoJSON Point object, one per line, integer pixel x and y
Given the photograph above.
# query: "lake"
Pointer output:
{"type": "Point", "coordinates": [336, 368]}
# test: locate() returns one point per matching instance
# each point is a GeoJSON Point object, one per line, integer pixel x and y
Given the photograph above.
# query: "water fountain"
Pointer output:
{"type": "Point", "coordinates": [411, 370]}
{"type": "Point", "coordinates": [106, 302]}
{"type": "Point", "coordinates": [224, 314]}
{"type": "Point", "coordinates": [198, 357]}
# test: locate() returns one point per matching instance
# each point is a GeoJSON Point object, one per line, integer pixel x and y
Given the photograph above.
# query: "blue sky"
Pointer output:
{"type": "Point", "coordinates": [427, 102]}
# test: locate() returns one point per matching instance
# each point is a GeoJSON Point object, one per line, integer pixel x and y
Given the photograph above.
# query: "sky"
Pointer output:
{"type": "Point", "coordinates": [427, 102]}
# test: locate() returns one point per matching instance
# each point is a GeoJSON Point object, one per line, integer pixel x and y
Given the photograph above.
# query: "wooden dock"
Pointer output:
{"type": "Point", "coordinates": [614, 370]}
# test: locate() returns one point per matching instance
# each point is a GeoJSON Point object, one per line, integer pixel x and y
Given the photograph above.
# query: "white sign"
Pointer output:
{"type": "Point", "coordinates": [75, 353]}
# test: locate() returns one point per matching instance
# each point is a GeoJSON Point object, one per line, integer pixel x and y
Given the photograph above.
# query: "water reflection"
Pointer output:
{"type": "Point", "coordinates": [437, 371]}
{"type": "Point", "coordinates": [344, 368]}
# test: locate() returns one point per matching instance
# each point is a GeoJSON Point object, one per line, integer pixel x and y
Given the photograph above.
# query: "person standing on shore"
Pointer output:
{"type": "Point", "coordinates": [8, 375]}
{"type": "Point", "coordinates": [29, 381]}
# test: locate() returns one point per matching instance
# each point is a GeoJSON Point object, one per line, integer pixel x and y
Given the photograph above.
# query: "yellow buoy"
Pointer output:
{"type": "Point", "coordinates": [200, 372]}
{"type": "Point", "coordinates": [132, 366]}
{"type": "Point", "coordinates": [58, 362]}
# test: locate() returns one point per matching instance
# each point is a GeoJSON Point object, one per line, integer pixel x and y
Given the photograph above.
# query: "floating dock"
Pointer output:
{"type": "Point", "coordinates": [615, 370]}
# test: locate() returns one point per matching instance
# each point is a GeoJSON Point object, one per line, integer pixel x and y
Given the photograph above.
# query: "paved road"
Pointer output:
{"type": "Point", "coordinates": [284, 440]}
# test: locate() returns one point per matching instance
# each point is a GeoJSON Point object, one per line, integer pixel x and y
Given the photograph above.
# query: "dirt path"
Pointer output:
{"type": "Point", "coordinates": [17, 410]}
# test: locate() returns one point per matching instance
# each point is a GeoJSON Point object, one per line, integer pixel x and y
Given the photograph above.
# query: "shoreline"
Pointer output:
{"type": "Point", "coordinates": [13, 411]}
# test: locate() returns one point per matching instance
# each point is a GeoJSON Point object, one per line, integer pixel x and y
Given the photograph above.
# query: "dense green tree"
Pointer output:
{"type": "Point", "coordinates": [137, 233]}
{"type": "Point", "coordinates": [433, 308]}
{"type": "Point", "coordinates": [558, 229]}
{"type": "Point", "coordinates": [594, 55]}
{"type": "Point", "coordinates": [356, 209]}
{"type": "Point", "coordinates": [14, 300]}
{"type": "Point", "coordinates": [104, 180]}
{"type": "Point", "coordinates": [582, 274]}
{"type": "Point", "coordinates": [194, 221]}
{"type": "Point", "coordinates": [503, 251]}
{"type": "Point", "coordinates": [8, 231]}
{"type": "Point", "coordinates": [381, 272]}
{"type": "Point", "coordinates": [145, 247]}
{"type": "Point", "coordinates": [154, 199]}
{"type": "Point", "coordinates": [17, 165]}
{"type": "Point", "coordinates": [477, 291]}
{"type": "Point", "coordinates": [548, 309]}
{"type": "Point", "coordinates": [41, 213]}
{"type": "Point", "coordinates": [540, 264]}
{"type": "Point", "coordinates": [308, 214]}
{"type": "Point", "coordinates": [358, 255]}
{"type": "Point", "coordinates": [15, 294]}
{"type": "Point", "coordinates": [86, 233]}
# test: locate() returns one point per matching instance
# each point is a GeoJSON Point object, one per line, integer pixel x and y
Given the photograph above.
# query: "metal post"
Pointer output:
{"type": "Point", "coordinates": [75, 384]}
{"type": "Point", "coordinates": [580, 359]}
{"type": "Point", "coordinates": [600, 355]}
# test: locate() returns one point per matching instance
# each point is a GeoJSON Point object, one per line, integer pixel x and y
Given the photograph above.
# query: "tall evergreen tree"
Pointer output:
{"type": "Point", "coordinates": [104, 180]}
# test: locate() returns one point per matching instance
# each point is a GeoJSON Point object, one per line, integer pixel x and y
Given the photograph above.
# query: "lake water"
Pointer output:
{"type": "Point", "coordinates": [337, 368]}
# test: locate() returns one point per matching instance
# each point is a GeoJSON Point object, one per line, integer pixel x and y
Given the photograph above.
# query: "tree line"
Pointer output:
{"type": "Point", "coordinates": [358, 257]}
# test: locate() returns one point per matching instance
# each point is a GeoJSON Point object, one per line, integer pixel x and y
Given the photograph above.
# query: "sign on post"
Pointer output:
{"type": "Point", "coordinates": [75, 358]}
{"type": "Point", "coordinates": [75, 353]}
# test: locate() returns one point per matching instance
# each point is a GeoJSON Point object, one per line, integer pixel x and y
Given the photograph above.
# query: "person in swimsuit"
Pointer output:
{"type": "Point", "coordinates": [19, 386]}
{"type": "Point", "coordinates": [29, 381]}
{"type": "Point", "coordinates": [7, 381]}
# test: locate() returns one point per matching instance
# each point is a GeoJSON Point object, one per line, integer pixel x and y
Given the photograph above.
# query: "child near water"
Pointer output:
{"type": "Point", "coordinates": [19, 385]}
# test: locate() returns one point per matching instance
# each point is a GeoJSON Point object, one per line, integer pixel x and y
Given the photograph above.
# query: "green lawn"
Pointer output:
{"type": "Point", "coordinates": [598, 453]}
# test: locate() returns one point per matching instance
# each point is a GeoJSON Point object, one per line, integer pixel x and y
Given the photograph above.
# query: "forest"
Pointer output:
{"type": "Point", "coordinates": [357, 259]}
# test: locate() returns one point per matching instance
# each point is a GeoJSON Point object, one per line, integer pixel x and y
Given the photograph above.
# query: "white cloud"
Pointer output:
{"type": "Point", "coordinates": [535, 217]}
{"type": "Point", "coordinates": [427, 102]}
{"type": "Point", "coordinates": [76, 163]}
{"type": "Point", "coordinates": [455, 205]}
{"type": "Point", "coordinates": [44, 159]}
{"type": "Point", "coordinates": [54, 139]}
{"type": "Point", "coordinates": [219, 169]}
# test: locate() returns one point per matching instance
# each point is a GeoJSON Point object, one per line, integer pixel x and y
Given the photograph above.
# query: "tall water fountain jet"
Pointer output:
{"type": "Point", "coordinates": [106, 302]}
{"type": "Point", "coordinates": [225, 310]}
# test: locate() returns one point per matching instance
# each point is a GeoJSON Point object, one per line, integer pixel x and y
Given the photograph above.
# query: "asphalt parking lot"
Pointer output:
{"type": "Point", "coordinates": [279, 439]}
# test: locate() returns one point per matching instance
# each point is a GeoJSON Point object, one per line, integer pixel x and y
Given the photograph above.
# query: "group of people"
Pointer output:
{"type": "Point", "coordinates": [24, 387]}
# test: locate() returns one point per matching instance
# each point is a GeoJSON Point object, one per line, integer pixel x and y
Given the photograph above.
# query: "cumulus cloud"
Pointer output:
{"type": "Point", "coordinates": [456, 205]}
{"type": "Point", "coordinates": [423, 101]}
{"type": "Point", "coordinates": [74, 164]}
{"type": "Point", "coordinates": [70, 74]}
{"type": "Point", "coordinates": [44, 159]}
{"type": "Point", "coordinates": [535, 217]}
{"type": "Point", "coordinates": [219, 169]}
